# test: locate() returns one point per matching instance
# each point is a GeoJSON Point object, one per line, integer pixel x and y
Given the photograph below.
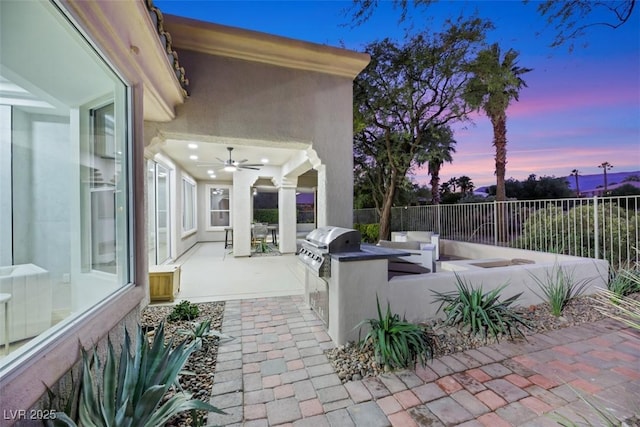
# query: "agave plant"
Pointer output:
{"type": "Point", "coordinates": [201, 331]}
{"type": "Point", "coordinates": [396, 342]}
{"type": "Point", "coordinates": [132, 388]}
{"type": "Point", "coordinates": [482, 312]}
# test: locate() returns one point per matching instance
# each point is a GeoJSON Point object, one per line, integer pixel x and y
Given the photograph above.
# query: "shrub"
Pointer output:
{"type": "Point", "coordinates": [571, 232]}
{"type": "Point", "coordinates": [559, 287]}
{"type": "Point", "coordinates": [132, 388]}
{"type": "Point", "coordinates": [184, 311]}
{"type": "Point", "coordinates": [266, 216]}
{"type": "Point", "coordinates": [622, 282]}
{"type": "Point", "coordinates": [397, 343]}
{"type": "Point", "coordinates": [369, 232]}
{"type": "Point", "coordinates": [482, 313]}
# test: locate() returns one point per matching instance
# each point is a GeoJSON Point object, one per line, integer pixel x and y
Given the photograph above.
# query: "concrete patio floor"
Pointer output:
{"type": "Point", "coordinates": [209, 272]}
{"type": "Point", "coordinates": [275, 372]}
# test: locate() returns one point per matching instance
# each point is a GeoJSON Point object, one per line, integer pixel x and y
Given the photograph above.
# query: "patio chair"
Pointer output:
{"type": "Point", "coordinates": [260, 232]}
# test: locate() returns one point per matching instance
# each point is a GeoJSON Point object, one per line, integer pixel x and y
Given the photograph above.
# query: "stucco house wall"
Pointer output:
{"type": "Point", "coordinates": [263, 102]}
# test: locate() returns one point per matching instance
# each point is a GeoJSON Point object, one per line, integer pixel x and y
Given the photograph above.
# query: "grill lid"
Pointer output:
{"type": "Point", "coordinates": [334, 239]}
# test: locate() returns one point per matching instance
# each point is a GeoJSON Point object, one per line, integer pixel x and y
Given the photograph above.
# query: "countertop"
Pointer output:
{"type": "Point", "coordinates": [369, 252]}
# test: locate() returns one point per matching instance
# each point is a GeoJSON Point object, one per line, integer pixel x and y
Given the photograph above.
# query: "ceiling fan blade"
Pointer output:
{"type": "Point", "coordinates": [220, 160]}
{"type": "Point", "coordinates": [248, 167]}
{"type": "Point", "coordinates": [242, 161]}
{"type": "Point", "coordinates": [251, 164]}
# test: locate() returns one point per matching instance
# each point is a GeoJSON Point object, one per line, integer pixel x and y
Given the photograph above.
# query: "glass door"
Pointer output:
{"type": "Point", "coordinates": [159, 213]}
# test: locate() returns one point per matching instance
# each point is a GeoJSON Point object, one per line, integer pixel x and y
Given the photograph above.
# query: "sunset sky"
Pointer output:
{"type": "Point", "coordinates": [580, 109]}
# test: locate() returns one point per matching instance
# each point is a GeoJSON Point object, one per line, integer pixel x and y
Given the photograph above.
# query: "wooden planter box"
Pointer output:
{"type": "Point", "coordinates": [164, 282]}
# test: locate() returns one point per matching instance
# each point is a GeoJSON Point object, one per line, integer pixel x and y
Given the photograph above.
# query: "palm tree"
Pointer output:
{"type": "Point", "coordinates": [495, 82]}
{"type": "Point", "coordinates": [605, 166]}
{"type": "Point", "coordinates": [453, 183]}
{"type": "Point", "coordinates": [439, 151]}
{"type": "Point", "coordinates": [575, 173]}
{"type": "Point", "coordinates": [465, 184]}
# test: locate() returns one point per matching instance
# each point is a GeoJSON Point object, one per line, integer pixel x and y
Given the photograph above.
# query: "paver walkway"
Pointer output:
{"type": "Point", "coordinates": [275, 373]}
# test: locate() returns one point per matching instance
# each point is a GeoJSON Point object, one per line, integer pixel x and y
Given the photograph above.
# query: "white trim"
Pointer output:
{"type": "Point", "coordinates": [208, 225]}
{"type": "Point", "coordinates": [186, 179]}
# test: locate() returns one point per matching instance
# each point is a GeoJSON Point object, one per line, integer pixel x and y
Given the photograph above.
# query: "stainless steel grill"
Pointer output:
{"type": "Point", "coordinates": [315, 254]}
{"type": "Point", "coordinates": [322, 242]}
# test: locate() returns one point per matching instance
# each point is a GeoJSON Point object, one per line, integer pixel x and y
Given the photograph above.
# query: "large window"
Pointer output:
{"type": "Point", "coordinates": [188, 206]}
{"type": "Point", "coordinates": [219, 207]}
{"type": "Point", "coordinates": [64, 175]}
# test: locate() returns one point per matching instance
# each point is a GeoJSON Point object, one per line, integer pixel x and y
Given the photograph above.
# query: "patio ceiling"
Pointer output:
{"type": "Point", "coordinates": [181, 151]}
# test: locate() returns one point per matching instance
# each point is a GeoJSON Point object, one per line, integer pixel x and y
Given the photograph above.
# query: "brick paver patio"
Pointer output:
{"type": "Point", "coordinates": [275, 373]}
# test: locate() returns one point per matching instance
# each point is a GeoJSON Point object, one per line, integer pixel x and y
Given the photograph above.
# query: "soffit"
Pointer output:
{"type": "Point", "coordinates": [126, 34]}
{"type": "Point", "coordinates": [221, 40]}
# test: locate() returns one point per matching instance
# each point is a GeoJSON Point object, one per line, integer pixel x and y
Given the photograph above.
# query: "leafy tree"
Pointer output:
{"type": "Point", "coordinates": [626, 190]}
{"type": "Point", "coordinates": [496, 82]}
{"type": "Point", "coordinates": [403, 99]}
{"type": "Point", "coordinates": [534, 188]}
{"type": "Point", "coordinates": [571, 19]}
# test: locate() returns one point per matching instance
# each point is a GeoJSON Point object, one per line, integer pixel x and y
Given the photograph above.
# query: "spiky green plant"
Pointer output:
{"type": "Point", "coordinates": [558, 287]}
{"type": "Point", "coordinates": [624, 281]}
{"type": "Point", "coordinates": [132, 388]}
{"type": "Point", "coordinates": [482, 312]}
{"type": "Point", "coordinates": [397, 343]}
{"type": "Point", "coordinates": [200, 332]}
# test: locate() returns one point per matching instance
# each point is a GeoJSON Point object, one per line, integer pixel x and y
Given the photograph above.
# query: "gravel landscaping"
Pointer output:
{"type": "Point", "coordinates": [202, 363]}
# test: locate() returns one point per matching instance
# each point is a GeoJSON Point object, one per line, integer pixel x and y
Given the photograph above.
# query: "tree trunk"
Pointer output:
{"type": "Point", "coordinates": [435, 187]}
{"type": "Point", "coordinates": [500, 142]}
{"type": "Point", "coordinates": [385, 214]}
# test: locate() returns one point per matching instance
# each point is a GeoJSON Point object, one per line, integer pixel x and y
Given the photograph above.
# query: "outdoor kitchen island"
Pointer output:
{"type": "Point", "coordinates": [342, 279]}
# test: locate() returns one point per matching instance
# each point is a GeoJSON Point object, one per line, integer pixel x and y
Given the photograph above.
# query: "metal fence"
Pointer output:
{"type": "Point", "coordinates": [598, 227]}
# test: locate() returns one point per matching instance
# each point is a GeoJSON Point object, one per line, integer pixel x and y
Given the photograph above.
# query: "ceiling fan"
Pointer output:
{"type": "Point", "coordinates": [231, 165]}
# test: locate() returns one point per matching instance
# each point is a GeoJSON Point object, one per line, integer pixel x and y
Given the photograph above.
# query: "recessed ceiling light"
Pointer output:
{"type": "Point", "coordinates": [192, 146]}
{"type": "Point", "coordinates": [210, 172]}
{"type": "Point", "coordinates": [264, 160]}
{"type": "Point", "coordinates": [193, 157]}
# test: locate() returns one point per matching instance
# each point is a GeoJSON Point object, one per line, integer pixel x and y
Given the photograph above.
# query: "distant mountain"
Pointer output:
{"type": "Point", "coordinates": [590, 182]}
{"type": "Point", "coordinates": [587, 182]}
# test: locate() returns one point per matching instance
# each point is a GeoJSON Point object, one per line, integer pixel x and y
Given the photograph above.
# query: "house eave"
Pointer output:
{"type": "Point", "coordinates": [221, 40]}
{"type": "Point", "coordinates": [126, 35]}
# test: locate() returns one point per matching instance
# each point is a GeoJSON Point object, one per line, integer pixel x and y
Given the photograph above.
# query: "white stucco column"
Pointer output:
{"type": "Point", "coordinates": [287, 220]}
{"type": "Point", "coordinates": [241, 213]}
{"type": "Point", "coordinates": [321, 197]}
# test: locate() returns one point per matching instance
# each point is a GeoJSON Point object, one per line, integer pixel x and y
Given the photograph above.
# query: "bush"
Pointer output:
{"type": "Point", "coordinates": [184, 311]}
{"type": "Point", "coordinates": [369, 232]}
{"type": "Point", "coordinates": [397, 343]}
{"type": "Point", "coordinates": [266, 216]}
{"type": "Point", "coordinates": [623, 282]}
{"type": "Point", "coordinates": [559, 287]}
{"type": "Point", "coordinates": [482, 313]}
{"type": "Point", "coordinates": [571, 232]}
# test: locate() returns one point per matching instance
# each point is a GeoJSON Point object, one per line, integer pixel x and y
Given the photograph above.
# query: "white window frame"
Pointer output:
{"type": "Point", "coordinates": [208, 209]}
{"type": "Point", "coordinates": [188, 182]}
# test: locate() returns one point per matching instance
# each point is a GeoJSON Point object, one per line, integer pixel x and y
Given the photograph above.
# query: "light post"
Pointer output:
{"type": "Point", "coordinates": [605, 167]}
